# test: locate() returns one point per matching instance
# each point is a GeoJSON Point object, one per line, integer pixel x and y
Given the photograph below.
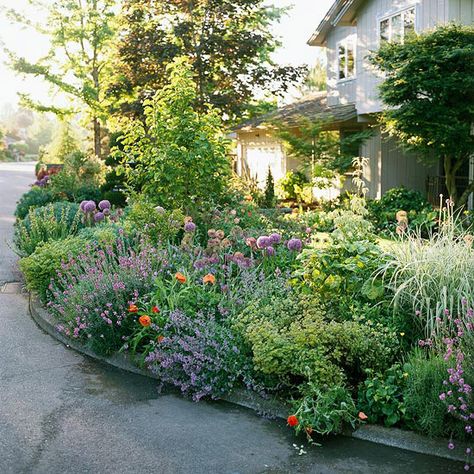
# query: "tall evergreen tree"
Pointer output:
{"type": "Point", "coordinates": [228, 42]}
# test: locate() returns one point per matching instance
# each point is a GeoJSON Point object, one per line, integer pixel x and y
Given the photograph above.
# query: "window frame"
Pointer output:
{"type": "Point", "coordinates": [344, 43]}
{"type": "Point", "coordinates": [389, 16]}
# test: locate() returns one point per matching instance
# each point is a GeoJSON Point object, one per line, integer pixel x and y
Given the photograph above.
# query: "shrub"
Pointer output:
{"type": "Point", "coordinates": [269, 199]}
{"type": "Point", "coordinates": [197, 355]}
{"type": "Point", "coordinates": [44, 263]}
{"type": "Point", "coordinates": [290, 184]}
{"type": "Point", "coordinates": [382, 212]}
{"type": "Point", "coordinates": [180, 156]}
{"type": "Point", "coordinates": [52, 222]}
{"type": "Point", "coordinates": [35, 197]}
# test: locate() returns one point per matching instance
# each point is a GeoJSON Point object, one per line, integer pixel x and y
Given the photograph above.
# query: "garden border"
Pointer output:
{"type": "Point", "coordinates": [393, 437]}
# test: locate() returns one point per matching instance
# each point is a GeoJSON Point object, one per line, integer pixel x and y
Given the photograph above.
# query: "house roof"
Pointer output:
{"type": "Point", "coordinates": [342, 13]}
{"type": "Point", "coordinates": [312, 107]}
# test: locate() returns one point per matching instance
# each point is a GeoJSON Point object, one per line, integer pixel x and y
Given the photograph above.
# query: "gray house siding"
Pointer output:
{"type": "Point", "coordinates": [389, 166]}
{"type": "Point", "coordinates": [461, 11]}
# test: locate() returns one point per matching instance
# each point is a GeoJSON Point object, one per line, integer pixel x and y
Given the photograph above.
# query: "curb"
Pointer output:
{"type": "Point", "coordinates": [393, 437]}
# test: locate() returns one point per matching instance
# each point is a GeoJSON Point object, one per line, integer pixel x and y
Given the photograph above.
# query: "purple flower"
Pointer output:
{"type": "Point", "coordinates": [442, 397]}
{"type": "Point", "coordinates": [263, 242]}
{"type": "Point", "coordinates": [450, 445]}
{"type": "Point", "coordinates": [89, 206]}
{"type": "Point", "coordinates": [81, 206]}
{"type": "Point", "coordinates": [189, 227]}
{"type": "Point", "coordinates": [275, 238]}
{"type": "Point", "coordinates": [270, 251]}
{"type": "Point", "coordinates": [295, 245]}
{"type": "Point", "coordinates": [99, 216]}
{"type": "Point", "coordinates": [104, 205]}
{"type": "Point", "coordinates": [106, 212]}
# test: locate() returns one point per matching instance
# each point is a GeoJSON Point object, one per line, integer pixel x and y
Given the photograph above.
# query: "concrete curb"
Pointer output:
{"type": "Point", "coordinates": [273, 407]}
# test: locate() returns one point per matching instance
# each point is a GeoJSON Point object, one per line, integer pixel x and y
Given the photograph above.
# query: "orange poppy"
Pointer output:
{"type": "Point", "coordinates": [155, 309]}
{"type": "Point", "coordinates": [160, 338]}
{"type": "Point", "coordinates": [144, 320]}
{"type": "Point", "coordinates": [133, 308]}
{"type": "Point", "coordinates": [292, 420]}
{"type": "Point", "coordinates": [209, 278]}
{"type": "Point", "coordinates": [180, 277]}
{"type": "Point", "coordinates": [362, 416]}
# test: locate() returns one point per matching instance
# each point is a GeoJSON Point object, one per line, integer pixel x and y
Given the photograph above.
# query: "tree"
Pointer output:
{"type": "Point", "coordinates": [324, 152]}
{"type": "Point", "coordinates": [269, 195]}
{"type": "Point", "coordinates": [429, 89]}
{"type": "Point", "coordinates": [228, 43]}
{"type": "Point", "coordinates": [316, 79]}
{"type": "Point", "coordinates": [80, 32]}
{"type": "Point", "coordinates": [63, 144]}
{"type": "Point", "coordinates": [178, 157]}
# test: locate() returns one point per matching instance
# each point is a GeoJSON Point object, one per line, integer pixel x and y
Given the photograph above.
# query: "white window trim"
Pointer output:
{"type": "Point", "coordinates": [344, 43]}
{"type": "Point", "coordinates": [393, 13]}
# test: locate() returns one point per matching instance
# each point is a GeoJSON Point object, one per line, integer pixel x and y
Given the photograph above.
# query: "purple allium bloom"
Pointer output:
{"type": "Point", "coordinates": [270, 251]}
{"type": "Point", "coordinates": [89, 206]}
{"type": "Point", "coordinates": [106, 212]}
{"type": "Point", "coordinates": [294, 245]}
{"type": "Point", "coordinates": [263, 242]}
{"type": "Point", "coordinates": [99, 216]}
{"type": "Point", "coordinates": [450, 445]}
{"type": "Point", "coordinates": [189, 227]}
{"type": "Point", "coordinates": [275, 238]}
{"type": "Point", "coordinates": [105, 204]}
{"type": "Point", "coordinates": [81, 206]}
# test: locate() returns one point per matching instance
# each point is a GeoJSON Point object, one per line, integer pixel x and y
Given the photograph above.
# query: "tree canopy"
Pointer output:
{"type": "Point", "coordinates": [228, 43]}
{"type": "Point", "coordinates": [429, 91]}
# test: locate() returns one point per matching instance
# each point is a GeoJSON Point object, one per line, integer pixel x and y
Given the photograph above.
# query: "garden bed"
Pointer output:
{"type": "Point", "coordinates": [272, 407]}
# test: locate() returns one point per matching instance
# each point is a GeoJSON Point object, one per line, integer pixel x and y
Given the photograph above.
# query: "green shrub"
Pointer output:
{"type": "Point", "coordinates": [35, 197]}
{"type": "Point", "coordinates": [52, 222]}
{"type": "Point", "coordinates": [382, 212]}
{"type": "Point", "coordinates": [380, 396]}
{"type": "Point", "coordinates": [424, 384]}
{"type": "Point", "coordinates": [157, 224]}
{"type": "Point", "coordinates": [290, 184]}
{"type": "Point", "coordinates": [44, 263]}
{"type": "Point", "coordinates": [105, 234]}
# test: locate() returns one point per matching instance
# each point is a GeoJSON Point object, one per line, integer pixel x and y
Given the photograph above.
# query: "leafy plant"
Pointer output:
{"type": "Point", "coordinates": [380, 396]}
{"type": "Point", "coordinates": [269, 199]}
{"type": "Point", "coordinates": [52, 222]}
{"type": "Point", "coordinates": [35, 197]}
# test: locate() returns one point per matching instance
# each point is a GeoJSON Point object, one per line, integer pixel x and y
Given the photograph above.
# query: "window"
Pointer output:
{"type": "Point", "coordinates": [397, 27]}
{"type": "Point", "coordinates": [346, 54]}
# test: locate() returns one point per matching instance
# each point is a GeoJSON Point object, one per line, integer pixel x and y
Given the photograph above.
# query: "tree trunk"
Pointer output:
{"type": "Point", "coordinates": [97, 137]}
{"type": "Point", "coordinates": [450, 179]}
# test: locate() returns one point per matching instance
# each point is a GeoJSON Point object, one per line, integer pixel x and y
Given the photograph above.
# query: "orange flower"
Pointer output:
{"type": "Point", "coordinates": [209, 278]}
{"type": "Point", "coordinates": [133, 308]}
{"type": "Point", "coordinates": [180, 277]}
{"type": "Point", "coordinates": [362, 416]}
{"type": "Point", "coordinates": [144, 320]}
{"type": "Point", "coordinates": [160, 338]}
{"type": "Point", "coordinates": [155, 309]}
{"type": "Point", "coordinates": [292, 420]}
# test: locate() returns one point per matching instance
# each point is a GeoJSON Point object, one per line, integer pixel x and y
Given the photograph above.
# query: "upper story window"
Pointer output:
{"type": "Point", "coordinates": [346, 59]}
{"type": "Point", "coordinates": [398, 26]}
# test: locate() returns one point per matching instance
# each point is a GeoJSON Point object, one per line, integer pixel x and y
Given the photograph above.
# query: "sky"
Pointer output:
{"type": "Point", "coordinates": [294, 29]}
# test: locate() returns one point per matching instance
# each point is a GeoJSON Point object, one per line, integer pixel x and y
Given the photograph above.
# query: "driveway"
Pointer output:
{"type": "Point", "coordinates": [61, 412]}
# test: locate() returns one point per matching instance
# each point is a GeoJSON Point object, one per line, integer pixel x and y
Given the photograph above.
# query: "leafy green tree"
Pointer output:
{"type": "Point", "coordinates": [228, 43]}
{"type": "Point", "coordinates": [316, 79]}
{"type": "Point", "coordinates": [429, 91]}
{"type": "Point", "coordinates": [323, 152]}
{"type": "Point", "coordinates": [178, 157]}
{"type": "Point", "coordinates": [77, 65]}
{"type": "Point", "coordinates": [63, 144]}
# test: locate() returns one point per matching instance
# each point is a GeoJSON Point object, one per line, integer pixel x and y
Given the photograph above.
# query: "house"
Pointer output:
{"type": "Point", "coordinates": [349, 32]}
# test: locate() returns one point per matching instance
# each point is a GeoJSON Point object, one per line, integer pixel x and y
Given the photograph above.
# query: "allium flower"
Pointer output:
{"type": "Point", "coordinates": [251, 242]}
{"type": "Point", "coordinates": [99, 216]}
{"type": "Point", "coordinates": [105, 204]}
{"type": "Point", "coordinates": [144, 320]}
{"type": "Point", "coordinates": [294, 245]}
{"type": "Point", "coordinates": [275, 238]}
{"type": "Point", "coordinates": [270, 251]}
{"type": "Point", "coordinates": [292, 420]}
{"type": "Point", "coordinates": [160, 210]}
{"type": "Point", "coordinates": [89, 206]}
{"type": "Point", "coordinates": [81, 206]}
{"type": "Point", "coordinates": [189, 227]}
{"type": "Point", "coordinates": [263, 242]}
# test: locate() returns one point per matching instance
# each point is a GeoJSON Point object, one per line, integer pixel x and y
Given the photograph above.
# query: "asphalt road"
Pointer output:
{"type": "Point", "coordinates": [63, 413]}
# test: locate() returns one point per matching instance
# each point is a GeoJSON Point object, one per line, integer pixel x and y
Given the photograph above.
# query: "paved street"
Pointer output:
{"type": "Point", "coordinates": [63, 413]}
